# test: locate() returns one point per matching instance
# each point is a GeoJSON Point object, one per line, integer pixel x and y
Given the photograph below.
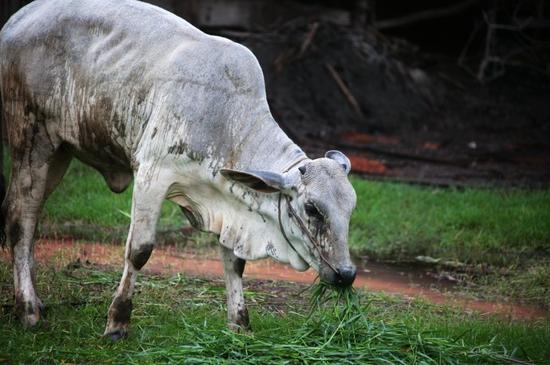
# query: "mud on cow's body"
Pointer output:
{"type": "Point", "coordinates": [139, 93]}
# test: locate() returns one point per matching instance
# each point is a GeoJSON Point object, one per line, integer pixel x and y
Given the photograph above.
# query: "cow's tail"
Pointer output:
{"type": "Point", "coordinates": [2, 179]}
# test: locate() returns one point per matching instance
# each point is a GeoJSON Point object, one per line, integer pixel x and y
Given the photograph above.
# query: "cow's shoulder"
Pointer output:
{"type": "Point", "coordinates": [238, 66]}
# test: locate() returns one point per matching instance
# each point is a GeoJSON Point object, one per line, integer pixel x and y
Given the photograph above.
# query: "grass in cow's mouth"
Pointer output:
{"type": "Point", "coordinates": [344, 302]}
{"type": "Point", "coordinates": [182, 320]}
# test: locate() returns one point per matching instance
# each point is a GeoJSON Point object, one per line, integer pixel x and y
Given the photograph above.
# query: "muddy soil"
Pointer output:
{"type": "Point", "coordinates": [410, 282]}
{"type": "Point", "coordinates": [403, 114]}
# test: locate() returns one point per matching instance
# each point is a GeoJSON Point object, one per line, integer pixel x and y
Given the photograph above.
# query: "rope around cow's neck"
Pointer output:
{"type": "Point", "coordinates": [305, 230]}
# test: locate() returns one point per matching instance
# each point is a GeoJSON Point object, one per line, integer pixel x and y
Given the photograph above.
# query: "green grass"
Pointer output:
{"type": "Point", "coordinates": [473, 225]}
{"type": "Point", "coordinates": [529, 284]}
{"type": "Point", "coordinates": [182, 320]}
{"type": "Point", "coordinates": [84, 207]}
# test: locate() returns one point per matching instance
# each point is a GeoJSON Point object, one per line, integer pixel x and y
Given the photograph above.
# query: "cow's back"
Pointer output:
{"type": "Point", "coordinates": [95, 33]}
{"type": "Point", "coordinates": [94, 68]}
{"type": "Point", "coordinates": [107, 73]}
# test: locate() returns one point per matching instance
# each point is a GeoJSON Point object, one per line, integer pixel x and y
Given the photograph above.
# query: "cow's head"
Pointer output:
{"type": "Point", "coordinates": [314, 203]}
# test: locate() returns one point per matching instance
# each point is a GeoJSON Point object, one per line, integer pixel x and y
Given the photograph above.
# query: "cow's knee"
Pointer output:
{"type": "Point", "coordinates": [140, 255]}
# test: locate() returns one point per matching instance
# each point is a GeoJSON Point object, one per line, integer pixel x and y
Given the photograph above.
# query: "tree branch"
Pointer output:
{"type": "Point", "coordinates": [425, 15]}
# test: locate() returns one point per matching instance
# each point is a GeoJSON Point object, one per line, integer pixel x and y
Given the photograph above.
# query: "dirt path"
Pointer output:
{"type": "Point", "coordinates": [378, 277]}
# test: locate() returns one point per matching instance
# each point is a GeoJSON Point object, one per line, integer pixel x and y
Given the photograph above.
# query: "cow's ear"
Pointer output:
{"type": "Point", "coordinates": [340, 158]}
{"type": "Point", "coordinates": [264, 181]}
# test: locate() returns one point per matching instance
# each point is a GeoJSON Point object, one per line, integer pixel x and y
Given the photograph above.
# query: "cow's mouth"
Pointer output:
{"type": "Point", "coordinates": [342, 277]}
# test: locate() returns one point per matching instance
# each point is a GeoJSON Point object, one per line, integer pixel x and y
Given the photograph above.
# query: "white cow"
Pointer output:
{"type": "Point", "coordinates": [138, 93]}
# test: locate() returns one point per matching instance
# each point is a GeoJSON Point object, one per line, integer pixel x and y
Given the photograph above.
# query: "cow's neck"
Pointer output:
{"type": "Point", "coordinates": [245, 220]}
{"type": "Point", "coordinates": [256, 142]}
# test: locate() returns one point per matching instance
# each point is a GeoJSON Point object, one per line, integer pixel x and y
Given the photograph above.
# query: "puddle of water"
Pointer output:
{"type": "Point", "coordinates": [379, 277]}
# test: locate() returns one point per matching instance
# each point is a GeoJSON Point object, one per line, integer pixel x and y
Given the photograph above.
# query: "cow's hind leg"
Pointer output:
{"type": "Point", "coordinates": [34, 176]}
{"type": "Point", "coordinates": [237, 314]}
{"type": "Point", "coordinates": [149, 192]}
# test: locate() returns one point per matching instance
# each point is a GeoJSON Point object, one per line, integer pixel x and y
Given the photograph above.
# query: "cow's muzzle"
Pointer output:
{"type": "Point", "coordinates": [343, 277]}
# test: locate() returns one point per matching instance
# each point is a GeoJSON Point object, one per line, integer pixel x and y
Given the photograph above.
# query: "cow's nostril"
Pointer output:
{"type": "Point", "coordinates": [346, 276]}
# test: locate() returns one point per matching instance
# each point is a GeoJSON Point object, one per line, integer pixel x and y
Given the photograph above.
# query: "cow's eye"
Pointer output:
{"type": "Point", "coordinates": [313, 211]}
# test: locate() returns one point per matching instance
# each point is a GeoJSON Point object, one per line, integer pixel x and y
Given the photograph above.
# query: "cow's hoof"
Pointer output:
{"type": "Point", "coordinates": [237, 328]}
{"type": "Point", "coordinates": [29, 320]}
{"type": "Point", "coordinates": [116, 335]}
{"type": "Point", "coordinates": [28, 313]}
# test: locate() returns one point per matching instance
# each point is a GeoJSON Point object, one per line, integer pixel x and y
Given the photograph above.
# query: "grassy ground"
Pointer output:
{"type": "Point", "coordinates": [182, 320]}
{"type": "Point", "coordinates": [84, 207]}
{"type": "Point", "coordinates": [506, 228]}
{"type": "Point", "coordinates": [497, 226]}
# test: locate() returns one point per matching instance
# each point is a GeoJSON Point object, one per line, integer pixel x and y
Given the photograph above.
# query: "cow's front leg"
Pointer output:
{"type": "Point", "coordinates": [237, 313]}
{"type": "Point", "coordinates": [146, 204]}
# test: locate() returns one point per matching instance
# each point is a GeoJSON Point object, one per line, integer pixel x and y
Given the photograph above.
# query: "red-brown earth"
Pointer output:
{"type": "Point", "coordinates": [401, 281]}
